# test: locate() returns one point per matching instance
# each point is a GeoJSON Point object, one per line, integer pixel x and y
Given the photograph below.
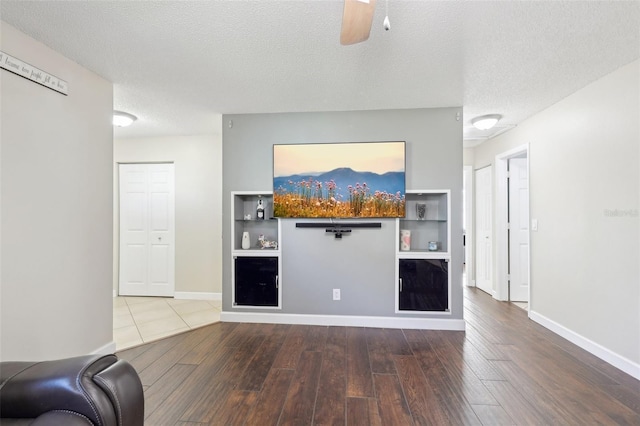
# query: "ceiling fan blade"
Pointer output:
{"type": "Point", "coordinates": [356, 21]}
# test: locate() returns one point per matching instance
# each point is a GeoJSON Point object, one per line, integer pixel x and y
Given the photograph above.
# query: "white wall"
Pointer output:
{"type": "Point", "coordinates": [468, 156]}
{"type": "Point", "coordinates": [56, 177]}
{"type": "Point", "coordinates": [585, 191]}
{"type": "Point", "coordinates": [198, 178]}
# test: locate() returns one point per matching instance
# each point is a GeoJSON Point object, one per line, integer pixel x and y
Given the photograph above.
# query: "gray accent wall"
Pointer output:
{"type": "Point", "coordinates": [362, 264]}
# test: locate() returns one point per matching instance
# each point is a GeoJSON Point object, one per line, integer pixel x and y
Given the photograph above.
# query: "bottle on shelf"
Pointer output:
{"type": "Point", "coordinates": [260, 210]}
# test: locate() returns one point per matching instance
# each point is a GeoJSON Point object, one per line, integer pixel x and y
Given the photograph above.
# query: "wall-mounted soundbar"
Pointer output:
{"type": "Point", "coordinates": [338, 228]}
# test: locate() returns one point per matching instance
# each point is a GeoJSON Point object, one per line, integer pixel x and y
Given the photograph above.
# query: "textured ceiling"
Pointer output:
{"type": "Point", "coordinates": [177, 64]}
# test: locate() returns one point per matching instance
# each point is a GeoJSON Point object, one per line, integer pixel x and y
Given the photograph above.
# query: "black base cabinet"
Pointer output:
{"type": "Point", "coordinates": [256, 281]}
{"type": "Point", "coordinates": [424, 285]}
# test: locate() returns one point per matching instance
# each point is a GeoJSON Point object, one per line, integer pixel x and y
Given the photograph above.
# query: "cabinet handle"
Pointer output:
{"type": "Point", "coordinates": [400, 285]}
{"type": "Point", "coordinates": [277, 281]}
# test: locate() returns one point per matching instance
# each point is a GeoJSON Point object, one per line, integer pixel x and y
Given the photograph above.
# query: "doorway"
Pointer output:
{"type": "Point", "coordinates": [512, 225]}
{"type": "Point", "coordinates": [147, 230]}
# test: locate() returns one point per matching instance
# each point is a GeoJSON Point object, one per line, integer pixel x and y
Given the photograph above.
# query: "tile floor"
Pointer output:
{"type": "Point", "coordinates": [138, 320]}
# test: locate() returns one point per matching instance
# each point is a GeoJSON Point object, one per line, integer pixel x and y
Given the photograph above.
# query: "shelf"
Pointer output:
{"type": "Point", "coordinates": [436, 252]}
{"type": "Point", "coordinates": [433, 227]}
{"type": "Point", "coordinates": [244, 203]}
{"type": "Point", "coordinates": [423, 254]}
{"type": "Point", "coordinates": [256, 252]}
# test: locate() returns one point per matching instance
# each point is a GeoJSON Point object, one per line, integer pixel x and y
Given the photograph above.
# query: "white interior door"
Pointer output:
{"type": "Point", "coordinates": [483, 227]}
{"type": "Point", "coordinates": [518, 230]}
{"type": "Point", "coordinates": [147, 209]}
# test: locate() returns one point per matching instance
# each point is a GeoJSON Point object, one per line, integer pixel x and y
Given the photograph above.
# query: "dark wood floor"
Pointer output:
{"type": "Point", "coordinates": [504, 369]}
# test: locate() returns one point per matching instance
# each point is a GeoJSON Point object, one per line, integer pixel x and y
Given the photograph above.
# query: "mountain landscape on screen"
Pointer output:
{"type": "Point", "coordinates": [342, 192]}
{"type": "Point", "coordinates": [339, 180]}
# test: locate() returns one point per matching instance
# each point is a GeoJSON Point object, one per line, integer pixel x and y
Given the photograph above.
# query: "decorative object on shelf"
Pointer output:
{"type": "Point", "coordinates": [405, 240]}
{"type": "Point", "coordinates": [266, 243]}
{"type": "Point", "coordinates": [247, 216]}
{"type": "Point", "coordinates": [421, 211]}
{"type": "Point", "coordinates": [260, 210]}
{"type": "Point", "coordinates": [433, 246]}
{"type": "Point", "coordinates": [246, 241]}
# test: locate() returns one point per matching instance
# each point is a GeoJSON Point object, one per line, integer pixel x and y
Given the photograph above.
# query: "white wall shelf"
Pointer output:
{"type": "Point", "coordinates": [244, 203]}
{"type": "Point", "coordinates": [435, 224]}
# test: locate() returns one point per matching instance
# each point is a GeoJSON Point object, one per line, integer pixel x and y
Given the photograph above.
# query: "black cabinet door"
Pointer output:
{"type": "Point", "coordinates": [424, 285]}
{"type": "Point", "coordinates": [256, 281]}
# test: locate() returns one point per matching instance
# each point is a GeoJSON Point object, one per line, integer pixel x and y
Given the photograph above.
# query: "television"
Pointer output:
{"type": "Point", "coordinates": [339, 180]}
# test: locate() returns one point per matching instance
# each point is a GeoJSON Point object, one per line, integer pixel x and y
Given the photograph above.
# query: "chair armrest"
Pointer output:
{"type": "Point", "coordinates": [99, 387]}
{"type": "Point", "coordinates": [121, 383]}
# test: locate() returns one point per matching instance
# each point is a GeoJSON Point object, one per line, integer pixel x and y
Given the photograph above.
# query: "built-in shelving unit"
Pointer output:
{"type": "Point", "coordinates": [423, 280]}
{"type": "Point", "coordinates": [256, 271]}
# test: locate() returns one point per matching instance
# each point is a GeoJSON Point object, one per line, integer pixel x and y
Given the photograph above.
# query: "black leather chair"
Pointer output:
{"type": "Point", "coordinates": [87, 390]}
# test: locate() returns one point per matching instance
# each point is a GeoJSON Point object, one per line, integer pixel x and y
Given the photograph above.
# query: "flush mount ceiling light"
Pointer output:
{"type": "Point", "coordinates": [485, 122]}
{"type": "Point", "coordinates": [123, 119]}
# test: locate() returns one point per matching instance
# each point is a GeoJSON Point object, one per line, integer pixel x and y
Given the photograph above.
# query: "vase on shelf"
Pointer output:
{"type": "Point", "coordinates": [405, 240]}
{"type": "Point", "coordinates": [246, 241]}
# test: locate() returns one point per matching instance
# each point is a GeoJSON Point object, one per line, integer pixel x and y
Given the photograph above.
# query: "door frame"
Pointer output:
{"type": "Point", "coordinates": [501, 234]}
{"type": "Point", "coordinates": [468, 227]}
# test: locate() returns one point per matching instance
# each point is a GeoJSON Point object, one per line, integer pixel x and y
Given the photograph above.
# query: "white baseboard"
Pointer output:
{"type": "Point", "coordinates": [107, 349]}
{"type": "Point", "coordinates": [345, 320]}
{"type": "Point", "coordinates": [196, 295]}
{"type": "Point", "coordinates": [618, 361]}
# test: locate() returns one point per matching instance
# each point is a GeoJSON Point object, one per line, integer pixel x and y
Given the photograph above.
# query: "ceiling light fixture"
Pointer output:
{"type": "Point", "coordinates": [485, 122]}
{"type": "Point", "coordinates": [123, 119]}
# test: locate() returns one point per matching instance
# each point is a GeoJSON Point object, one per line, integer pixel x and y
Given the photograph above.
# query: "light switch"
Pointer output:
{"type": "Point", "coordinates": [534, 224]}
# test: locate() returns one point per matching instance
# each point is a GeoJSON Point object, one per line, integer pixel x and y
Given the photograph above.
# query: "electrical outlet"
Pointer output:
{"type": "Point", "coordinates": [336, 294]}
